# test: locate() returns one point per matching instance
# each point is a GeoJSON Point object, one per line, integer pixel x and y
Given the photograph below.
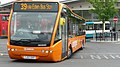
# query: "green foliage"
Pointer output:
{"type": "Point", "coordinates": [105, 9]}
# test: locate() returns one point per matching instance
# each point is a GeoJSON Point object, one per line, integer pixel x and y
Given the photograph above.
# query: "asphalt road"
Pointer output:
{"type": "Point", "coordinates": [95, 54]}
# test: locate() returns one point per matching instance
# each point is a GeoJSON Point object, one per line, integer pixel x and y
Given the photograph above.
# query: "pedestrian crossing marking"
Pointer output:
{"type": "Point", "coordinates": [98, 56]}
{"type": "Point", "coordinates": [3, 54]}
{"type": "Point", "coordinates": [94, 57]}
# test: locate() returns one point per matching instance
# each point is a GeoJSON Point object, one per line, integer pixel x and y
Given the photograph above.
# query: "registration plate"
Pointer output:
{"type": "Point", "coordinates": [29, 57]}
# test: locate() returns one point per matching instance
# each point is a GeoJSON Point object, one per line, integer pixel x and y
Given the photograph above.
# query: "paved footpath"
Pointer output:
{"type": "Point", "coordinates": [3, 47]}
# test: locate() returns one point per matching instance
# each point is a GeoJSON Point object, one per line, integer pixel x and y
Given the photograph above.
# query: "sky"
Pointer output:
{"type": "Point", "coordinates": [6, 1]}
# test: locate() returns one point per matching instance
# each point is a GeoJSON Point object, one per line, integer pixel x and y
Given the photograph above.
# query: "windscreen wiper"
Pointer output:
{"type": "Point", "coordinates": [31, 40]}
{"type": "Point", "coordinates": [21, 40]}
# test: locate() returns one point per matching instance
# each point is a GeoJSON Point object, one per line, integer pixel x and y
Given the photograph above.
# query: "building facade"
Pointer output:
{"type": "Point", "coordinates": [82, 7]}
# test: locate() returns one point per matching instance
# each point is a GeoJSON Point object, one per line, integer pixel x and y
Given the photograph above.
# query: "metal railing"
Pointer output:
{"type": "Point", "coordinates": [106, 36]}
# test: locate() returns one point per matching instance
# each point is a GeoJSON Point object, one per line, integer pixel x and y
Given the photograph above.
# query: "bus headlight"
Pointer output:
{"type": "Point", "coordinates": [8, 49]}
{"type": "Point", "coordinates": [12, 49]}
{"type": "Point", "coordinates": [51, 51]}
{"type": "Point", "coordinates": [46, 51]}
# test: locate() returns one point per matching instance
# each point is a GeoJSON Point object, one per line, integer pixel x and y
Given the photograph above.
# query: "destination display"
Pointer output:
{"type": "Point", "coordinates": [35, 6]}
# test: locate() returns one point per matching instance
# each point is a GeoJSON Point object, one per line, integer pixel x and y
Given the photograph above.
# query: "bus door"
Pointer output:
{"type": "Point", "coordinates": [64, 36]}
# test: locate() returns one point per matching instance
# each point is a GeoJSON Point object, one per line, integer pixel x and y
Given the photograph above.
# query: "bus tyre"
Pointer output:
{"type": "Point", "coordinates": [69, 52]}
{"type": "Point", "coordinates": [82, 46]}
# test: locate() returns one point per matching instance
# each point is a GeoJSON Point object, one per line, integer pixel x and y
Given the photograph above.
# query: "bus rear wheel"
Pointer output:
{"type": "Point", "coordinates": [69, 52]}
{"type": "Point", "coordinates": [82, 45]}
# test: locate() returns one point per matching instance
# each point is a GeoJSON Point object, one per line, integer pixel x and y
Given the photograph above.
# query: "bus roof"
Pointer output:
{"type": "Point", "coordinates": [96, 22]}
{"type": "Point", "coordinates": [89, 22]}
{"type": "Point", "coordinates": [40, 0]}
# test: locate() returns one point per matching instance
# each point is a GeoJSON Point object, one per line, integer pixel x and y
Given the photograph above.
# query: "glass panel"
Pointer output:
{"type": "Point", "coordinates": [32, 25]}
{"type": "Point", "coordinates": [107, 26]}
{"type": "Point", "coordinates": [89, 27]}
{"type": "Point", "coordinates": [87, 14]}
{"type": "Point", "coordinates": [98, 26]}
{"type": "Point", "coordinates": [5, 18]}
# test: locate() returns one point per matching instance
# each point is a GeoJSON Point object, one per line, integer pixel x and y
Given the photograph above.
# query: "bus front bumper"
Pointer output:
{"type": "Point", "coordinates": [34, 53]}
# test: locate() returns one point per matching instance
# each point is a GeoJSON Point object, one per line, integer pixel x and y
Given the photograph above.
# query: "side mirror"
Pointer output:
{"type": "Point", "coordinates": [62, 21]}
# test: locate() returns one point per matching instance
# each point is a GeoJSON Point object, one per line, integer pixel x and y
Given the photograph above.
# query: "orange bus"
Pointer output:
{"type": "Point", "coordinates": [4, 25]}
{"type": "Point", "coordinates": [44, 31]}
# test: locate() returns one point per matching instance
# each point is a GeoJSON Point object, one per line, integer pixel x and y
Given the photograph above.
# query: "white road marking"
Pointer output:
{"type": "Point", "coordinates": [112, 56]}
{"type": "Point", "coordinates": [98, 56]}
{"type": "Point", "coordinates": [118, 56]}
{"type": "Point", "coordinates": [117, 43]}
{"type": "Point", "coordinates": [3, 43]}
{"type": "Point", "coordinates": [2, 54]}
{"type": "Point", "coordinates": [99, 53]}
{"type": "Point", "coordinates": [106, 57]}
{"type": "Point", "coordinates": [81, 56]}
{"type": "Point", "coordinates": [95, 57]}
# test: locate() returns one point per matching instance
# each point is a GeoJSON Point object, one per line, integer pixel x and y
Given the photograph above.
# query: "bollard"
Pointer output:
{"type": "Point", "coordinates": [114, 36]}
{"type": "Point", "coordinates": [100, 36]}
{"type": "Point", "coordinates": [95, 35]}
{"type": "Point", "coordinates": [117, 35]}
{"type": "Point", "coordinates": [111, 35]}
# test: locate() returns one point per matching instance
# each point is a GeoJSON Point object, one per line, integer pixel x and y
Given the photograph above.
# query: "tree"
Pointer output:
{"type": "Point", "coordinates": [105, 9]}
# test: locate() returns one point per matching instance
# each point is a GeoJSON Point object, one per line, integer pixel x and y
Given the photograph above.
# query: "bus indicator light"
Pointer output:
{"type": "Point", "coordinates": [42, 51]}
